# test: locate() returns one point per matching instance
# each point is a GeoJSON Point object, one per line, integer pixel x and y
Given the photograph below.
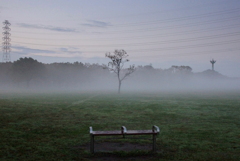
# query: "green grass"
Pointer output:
{"type": "Point", "coordinates": [194, 126]}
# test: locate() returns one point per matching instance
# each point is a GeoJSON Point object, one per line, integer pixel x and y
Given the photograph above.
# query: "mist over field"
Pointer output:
{"type": "Point", "coordinates": [73, 73]}
{"type": "Point", "coordinates": [79, 77]}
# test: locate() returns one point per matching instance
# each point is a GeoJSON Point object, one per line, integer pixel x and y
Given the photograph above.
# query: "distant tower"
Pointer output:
{"type": "Point", "coordinates": [212, 61]}
{"type": "Point", "coordinates": [6, 42]}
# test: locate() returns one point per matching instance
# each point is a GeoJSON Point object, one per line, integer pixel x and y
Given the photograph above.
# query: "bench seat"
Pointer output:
{"type": "Point", "coordinates": [140, 132]}
{"type": "Point", "coordinates": [155, 130]}
{"type": "Point", "coordinates": [105, 133]}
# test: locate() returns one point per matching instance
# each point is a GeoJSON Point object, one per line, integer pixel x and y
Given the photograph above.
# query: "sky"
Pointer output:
{"type": "Point", "coordinates": [160, 33]}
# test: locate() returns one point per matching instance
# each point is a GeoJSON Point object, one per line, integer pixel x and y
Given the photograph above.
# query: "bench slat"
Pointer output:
{"type": "Point", "coordinates": [102, 133]}
{"type": "Point", "coordinates": [129, 132]}
{"type": "Point", "coordinates": [140, 132]}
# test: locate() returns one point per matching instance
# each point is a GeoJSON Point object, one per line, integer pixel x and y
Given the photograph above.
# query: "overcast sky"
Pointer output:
{"type": "Point", "coordinates": [158, 32]}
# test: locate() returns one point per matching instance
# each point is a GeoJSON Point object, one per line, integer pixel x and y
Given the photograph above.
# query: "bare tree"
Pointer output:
{"type": "Point", "coordinates": [118, 58]}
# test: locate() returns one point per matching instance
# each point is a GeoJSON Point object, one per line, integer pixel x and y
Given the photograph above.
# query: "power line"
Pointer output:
{"type": "Point", "coordinates": [230, 27]}
{"type": "Point", "coordinates": [223, 21]}
{"type": "Point", "coordinates": [193, 17]}
{"type": "Point", "coordinates": [170, 48]}
{"type": "Point", "coordinates": [149, 43]}
{"type": "Point", "coordinates": [229, 50]}
{"type": "Point", "coordinates": [170, 10]}
{"type": "Point", "coordinates": [145, 13]}
{"type": "Point", "coordinates": [154, 28]}
{"type": "Point", "coordinates": [166, 27]}
{"type": "Point", "coordinates": [189, 46]}
{"type": "Point", "coordinates": [198, 24]}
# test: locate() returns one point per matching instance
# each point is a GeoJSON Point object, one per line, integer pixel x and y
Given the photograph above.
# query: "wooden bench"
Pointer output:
{"type": "Point", "coordinates": [154, 132]}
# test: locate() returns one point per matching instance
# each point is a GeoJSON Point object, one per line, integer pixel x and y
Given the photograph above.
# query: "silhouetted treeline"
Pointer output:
{"type": "Point", "coordinates": [27, 73]}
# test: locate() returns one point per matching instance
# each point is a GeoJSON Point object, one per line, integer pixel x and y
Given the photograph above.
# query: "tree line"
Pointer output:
{"type": "Point", "coordinates": [28, 73]}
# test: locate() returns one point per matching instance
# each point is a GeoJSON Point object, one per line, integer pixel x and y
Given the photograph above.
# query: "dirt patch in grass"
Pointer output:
{"type": "Point", "coordinates": [115, 146]}
{"type": "Point", "coordinates": [114, 151]}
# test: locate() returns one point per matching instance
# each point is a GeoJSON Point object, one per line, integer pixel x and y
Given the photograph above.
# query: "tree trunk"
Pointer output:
{"type": "Point", "coordinates": [119, 80]}
{"type": "Point", "coordinates": [119, 86]}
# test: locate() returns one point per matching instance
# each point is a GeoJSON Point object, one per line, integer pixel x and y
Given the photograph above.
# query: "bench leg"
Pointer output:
{"type": "Point", "coordinates": [154, 143]}
{"type": "Point", "coordinates": [92, 144]}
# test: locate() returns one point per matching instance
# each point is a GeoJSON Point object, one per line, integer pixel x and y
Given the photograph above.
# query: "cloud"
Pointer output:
{"type": "Point", "coordinates": [1, 8]}
{"type": "Point", "coordinates": [26, 50]}
{"type": "Point", "coordinates": [61, 52]}
{"type": "Point", "coordinates": [94, 23]}
{"type": "Point", "coordinates": [71, 51]}
{"type": "Point", "coordinates": [35, 26]}
{"type": "Point", "coordinates": [22, 51]}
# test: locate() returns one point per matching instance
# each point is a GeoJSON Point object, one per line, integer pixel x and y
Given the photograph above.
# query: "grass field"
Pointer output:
{"type": "Point", "coordinates": [194, 126]}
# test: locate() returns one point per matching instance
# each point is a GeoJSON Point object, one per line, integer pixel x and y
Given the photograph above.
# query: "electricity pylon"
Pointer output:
{"type": "Point", "coordinates": [6, 42]}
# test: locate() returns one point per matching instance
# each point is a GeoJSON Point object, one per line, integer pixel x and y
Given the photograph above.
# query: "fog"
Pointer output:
{"type": "Point", "coordinates": [79, 77]}
{"type": "Point", "coordinates": [181, 81]}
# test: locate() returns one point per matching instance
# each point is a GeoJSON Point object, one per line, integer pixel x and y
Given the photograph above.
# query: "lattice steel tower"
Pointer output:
{"type": "Point", "coordinates": [6, 42]}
